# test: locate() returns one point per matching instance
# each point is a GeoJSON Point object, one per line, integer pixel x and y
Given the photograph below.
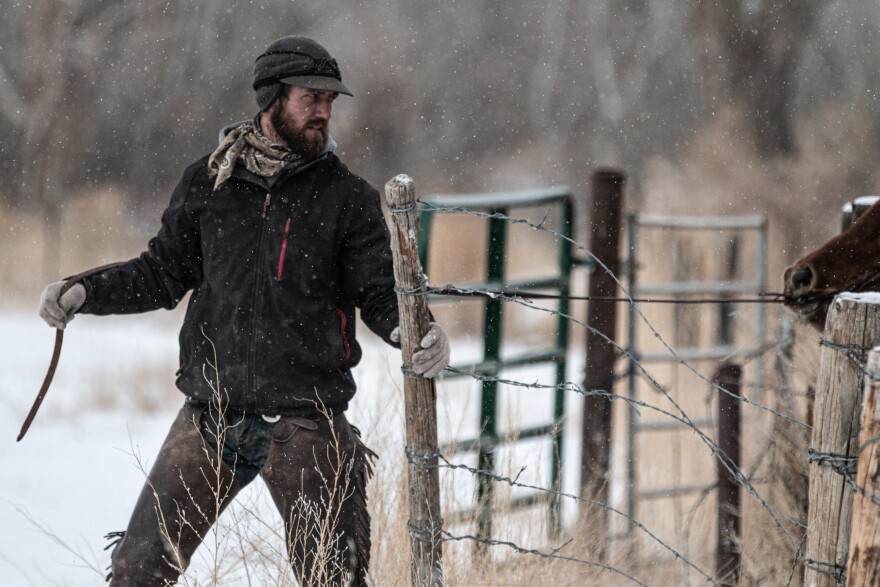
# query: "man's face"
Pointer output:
{"type": "Point", "coordinates": [301, 118]}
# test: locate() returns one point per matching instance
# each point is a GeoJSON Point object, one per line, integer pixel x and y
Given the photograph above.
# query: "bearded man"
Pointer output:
{"type": "Point", "coordinates": [279, 243]}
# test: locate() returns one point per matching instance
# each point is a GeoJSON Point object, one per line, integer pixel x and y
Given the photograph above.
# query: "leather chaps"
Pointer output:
{"type": "Point", "coordinates": [316, 472]}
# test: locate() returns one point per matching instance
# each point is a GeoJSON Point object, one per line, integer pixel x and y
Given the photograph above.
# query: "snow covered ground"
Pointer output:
{"type": "Point", "coordinates": [77, 473]}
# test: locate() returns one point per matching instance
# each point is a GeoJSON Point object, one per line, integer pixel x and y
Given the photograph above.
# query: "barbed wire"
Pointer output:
{"type": "Point", "coordinates": [716, 450]}
{"type": "Point", "coordinates": [625, 353]}
{"type": "Point", "coordinates": [524, 301]}
{"type": "Point", "coordinates": [836, 572]}
{"type": "Point", "coordinates": [449, 537]}
{"type": "Point", "coordinates": [633, 305]}
{"type": "Point", "coordinates": [796, 560]}
{"type": "Point", "coordinates": [845, 466]}
{"type": "Point", "coordinates": [456, 291]}
{"type": "Point", "coordinates": [427, 462]}
{"type": "Point", "coordinates": [779, 518]}
{"type": "Point", "coordinates": [632, 403]}
{"type": "Point", "coordinates": [853, 352]}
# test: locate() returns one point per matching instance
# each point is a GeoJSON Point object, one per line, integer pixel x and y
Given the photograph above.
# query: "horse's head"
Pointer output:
{"type": "Point", "coordinates": [848, 262]}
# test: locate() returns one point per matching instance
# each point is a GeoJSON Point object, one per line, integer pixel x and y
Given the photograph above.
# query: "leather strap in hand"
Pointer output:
{"type": "Point", "coordinates": [56, 353]}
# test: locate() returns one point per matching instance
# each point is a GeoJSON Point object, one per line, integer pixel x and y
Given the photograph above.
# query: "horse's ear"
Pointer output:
{"type": "Point", "coordinates": [854, 210]}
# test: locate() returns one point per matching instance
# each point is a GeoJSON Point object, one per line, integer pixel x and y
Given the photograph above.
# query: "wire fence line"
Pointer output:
{"type": "Point", "coordinates": [834, 570]}
{"type": "Point", "coordinates": [444, 463]}
{"type": "Point", "coordinates": [853, 352]}
{"type": "Point", "coordinates": [683, 418]}
{"type": "Point", "coordinates": [623, 352]}
{"type": "Point", "coordinates": [844, 465]}
{"type": "Point", "coordinates": [796, 559]}
{"type": "Point", "coordinates": [678, 413]}
{"type": "Point", "coordinates": [449, 537]}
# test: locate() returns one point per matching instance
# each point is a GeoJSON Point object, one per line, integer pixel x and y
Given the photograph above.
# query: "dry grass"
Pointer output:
{"type": "Point", "coordinates": [250, 535]}
{"type": "Point", "coordinates": [96, 228]}
{"type": "Point", "coordinates": [716, 175]}
{"type": "Point", "coordinates": [801, 195]}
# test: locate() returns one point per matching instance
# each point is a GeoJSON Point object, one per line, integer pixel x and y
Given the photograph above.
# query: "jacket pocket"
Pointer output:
{"type": "Point", "coordinates": [280, 273]}
{"type": "Point", "coordinates": [192, 335]}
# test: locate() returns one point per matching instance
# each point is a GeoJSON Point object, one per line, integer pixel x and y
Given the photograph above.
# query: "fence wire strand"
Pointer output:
{"type": "Point", "coordinates": [444, 463]}
{"type": "Point", "coordinates": [682, 416]}
{"type": "Point", "coordinates": [678, 413]}
{"type": "Point", "coordinates": [449, 537]}
{"type": "Point", "coordinates": [844, 465]}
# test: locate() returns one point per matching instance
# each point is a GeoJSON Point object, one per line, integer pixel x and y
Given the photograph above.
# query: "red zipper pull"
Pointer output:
{"type": "Point", "coordinates": [266, 204]}
{"type": "Point", "coordinates": [283, 249]}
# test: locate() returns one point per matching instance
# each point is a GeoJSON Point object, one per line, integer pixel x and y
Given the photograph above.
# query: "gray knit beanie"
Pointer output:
{"type": "Point", "coordinates": [295, 61]}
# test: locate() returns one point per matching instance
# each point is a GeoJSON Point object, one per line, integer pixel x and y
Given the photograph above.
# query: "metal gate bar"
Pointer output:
{"type": "Point", "coordinates": [493, 363]}
{"type": "Point", "coordinates": [635, 223]}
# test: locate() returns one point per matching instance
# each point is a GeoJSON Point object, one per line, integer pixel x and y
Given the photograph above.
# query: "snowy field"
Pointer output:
{"type": "Point", "coordinates": [77, 473]}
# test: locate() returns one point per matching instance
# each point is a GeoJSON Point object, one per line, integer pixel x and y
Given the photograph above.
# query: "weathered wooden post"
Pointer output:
{"type": "Point", "coordinates": [605, 220]}
{"type": "Point", "coordinates": [863, 568]}
{"type": "Point", "coordinates": [853, 325]}
{"type": "Point", "coordinates": [420, 396]}
{"type": "Point", "coordinates": [727, 548]}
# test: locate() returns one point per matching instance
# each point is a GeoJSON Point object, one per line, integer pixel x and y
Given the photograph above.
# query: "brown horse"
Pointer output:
{"type": "Point", "coordinates": [848, 262]}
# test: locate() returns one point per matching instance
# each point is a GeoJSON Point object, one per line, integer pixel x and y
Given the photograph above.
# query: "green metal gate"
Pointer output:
{"type": "Point", "coordinates": [494, 205]}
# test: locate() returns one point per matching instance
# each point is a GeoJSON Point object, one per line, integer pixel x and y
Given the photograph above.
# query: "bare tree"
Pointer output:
{"type": "Point", "coordinates": [459, 93]}
{"type": "Point", "coordinates": [751, 52]}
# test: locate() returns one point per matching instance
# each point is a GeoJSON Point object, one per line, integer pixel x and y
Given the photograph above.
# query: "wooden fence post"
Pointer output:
{"type": "Point", "coordinates": [605, 221]}
{"type": "Point", "coordinates": [852, 327]}
{"type": "Point", "coordinates": [727, 547]}
{"type": "Point", "coordinates": [863, 567]}
{"type": "Point", "coordinates": [425, 521]}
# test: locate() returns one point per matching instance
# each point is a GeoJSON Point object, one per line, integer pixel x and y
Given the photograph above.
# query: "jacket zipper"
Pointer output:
{"type": "Point", "coordinates": [283, 251]}
{"type": "Point", "coordinates": [257, 307]}
{"type": "Point", "coordinates": [343, 321]}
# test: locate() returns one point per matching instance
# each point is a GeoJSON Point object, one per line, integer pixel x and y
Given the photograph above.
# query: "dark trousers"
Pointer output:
{"type": "Point", "coordinates": [316, 470]}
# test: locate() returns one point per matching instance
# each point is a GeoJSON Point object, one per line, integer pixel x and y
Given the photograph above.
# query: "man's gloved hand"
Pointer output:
{"type": "Point", "coordinates": [434, 356]}
{"type": "Point", "coordinates": [58, 310]}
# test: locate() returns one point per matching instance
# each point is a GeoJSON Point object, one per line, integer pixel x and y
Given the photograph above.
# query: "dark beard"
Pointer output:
{"type": "Point", "coordinates": [296, 140]}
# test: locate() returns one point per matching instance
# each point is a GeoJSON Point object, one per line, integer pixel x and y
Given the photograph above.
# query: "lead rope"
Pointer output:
{"type": "Point", "coordinates": [56, 353]}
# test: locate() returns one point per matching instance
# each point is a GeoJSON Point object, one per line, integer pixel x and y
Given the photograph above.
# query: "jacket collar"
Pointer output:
{"type": "Point", "coordinates": [241, 172]}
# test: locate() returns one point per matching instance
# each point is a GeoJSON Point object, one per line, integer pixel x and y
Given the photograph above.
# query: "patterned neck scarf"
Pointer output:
{"type": "Point", "coordinates": [247, 143]}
